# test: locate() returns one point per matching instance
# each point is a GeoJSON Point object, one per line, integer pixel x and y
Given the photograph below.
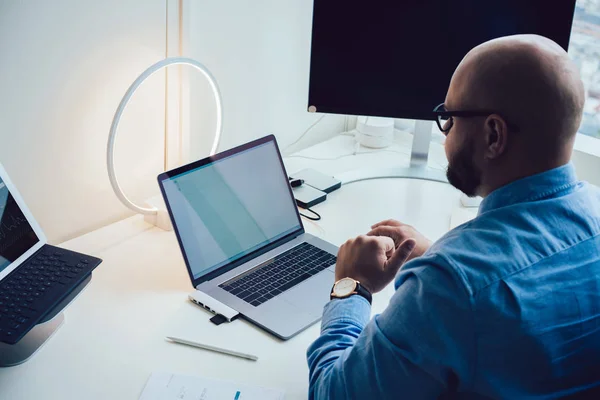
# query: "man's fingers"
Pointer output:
{"type": "Point", "coordinates": [387, 222]}
{"type": "Point", "coordinates": [389, 231]}
{"type": "Point", "coordinates": [387, 243]}
{"type": "Point", "coordinates": [400, 256]}
{"type": "Point", "coordinates": [376, 242]}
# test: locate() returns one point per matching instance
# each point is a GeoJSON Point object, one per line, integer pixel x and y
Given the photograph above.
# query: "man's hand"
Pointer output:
{"type": "Point", "coordinates": [372, 260]}
{"type": "Point", "coordinates": [400, 232]}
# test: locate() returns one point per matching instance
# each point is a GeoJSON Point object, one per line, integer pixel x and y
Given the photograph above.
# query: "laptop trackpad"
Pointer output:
{"type": "Point", "coordinates": [312, 294]}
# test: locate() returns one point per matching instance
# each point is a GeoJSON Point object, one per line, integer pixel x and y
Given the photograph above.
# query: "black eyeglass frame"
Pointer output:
{"type": "Point", "coordinates": [440, 112]}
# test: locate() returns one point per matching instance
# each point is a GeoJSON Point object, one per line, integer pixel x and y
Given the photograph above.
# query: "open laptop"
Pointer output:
{"type": "Point", "coordinates": [243, 241]}
{"type": "Point", "coordinates": [35, 277]}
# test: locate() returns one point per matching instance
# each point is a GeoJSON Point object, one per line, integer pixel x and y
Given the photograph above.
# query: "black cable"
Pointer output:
{"type": "Point", "coordinates": [299, 182]}
{"type": "Point", "coordinates": [311, 218]}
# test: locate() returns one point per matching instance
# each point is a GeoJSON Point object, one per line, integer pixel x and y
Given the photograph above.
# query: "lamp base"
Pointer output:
{"type": "Point", "coordinates": [161, 219]}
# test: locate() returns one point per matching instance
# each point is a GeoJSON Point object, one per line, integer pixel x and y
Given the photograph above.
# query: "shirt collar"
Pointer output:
{"type": "Point", "coordinates": [531, 188]}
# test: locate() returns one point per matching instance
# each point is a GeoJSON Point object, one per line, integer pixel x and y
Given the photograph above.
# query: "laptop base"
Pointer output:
{"type": "Point", "coordinates": [15, 354]}
{"type": "Point", "coordinates": [24, 349]}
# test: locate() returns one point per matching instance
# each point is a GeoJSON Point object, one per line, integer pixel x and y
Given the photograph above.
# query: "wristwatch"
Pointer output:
{"type": "Point", "coordinates": [347, 287]}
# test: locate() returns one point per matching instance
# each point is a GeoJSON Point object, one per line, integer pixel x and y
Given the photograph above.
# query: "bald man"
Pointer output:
{"type": "Point", "coordinates": [506, 305]}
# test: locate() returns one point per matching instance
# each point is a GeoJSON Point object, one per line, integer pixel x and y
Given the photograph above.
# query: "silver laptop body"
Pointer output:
{"type": "Point", "coordinates": [243, 241]}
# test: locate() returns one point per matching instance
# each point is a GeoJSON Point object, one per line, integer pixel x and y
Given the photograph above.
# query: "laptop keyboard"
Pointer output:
{"type": "Point", "coordinates": [284, 272]}
{"type": "Point", "coordinates": [35, 287]}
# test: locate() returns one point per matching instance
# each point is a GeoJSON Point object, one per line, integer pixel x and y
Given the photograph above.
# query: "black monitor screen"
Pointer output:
{"type": "Point", "coordinates": [395, 58]}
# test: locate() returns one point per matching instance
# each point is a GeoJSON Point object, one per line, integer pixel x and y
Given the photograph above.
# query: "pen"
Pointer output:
{"type": "Point", "coordinates": [213, 348]}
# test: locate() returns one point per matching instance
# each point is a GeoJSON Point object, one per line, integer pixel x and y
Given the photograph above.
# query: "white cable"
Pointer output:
{"type": "Point", "coordinates": [305, 132]}
{"type": "Point", "coordinates": [115, 123]}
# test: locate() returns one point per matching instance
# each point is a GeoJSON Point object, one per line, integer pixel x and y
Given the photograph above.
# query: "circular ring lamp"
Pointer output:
{"type": "Point", "coordinates": [154, 211]}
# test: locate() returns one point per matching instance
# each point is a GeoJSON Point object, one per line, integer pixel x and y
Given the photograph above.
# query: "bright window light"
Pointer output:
{"type": "Point", "coordinates": [584, 48]}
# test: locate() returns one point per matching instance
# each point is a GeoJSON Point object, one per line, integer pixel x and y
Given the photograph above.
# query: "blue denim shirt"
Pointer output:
{"type": "Point", "coordinates": [504, 306]}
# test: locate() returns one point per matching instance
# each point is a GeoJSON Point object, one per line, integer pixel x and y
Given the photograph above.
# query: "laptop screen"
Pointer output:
{"type": "Point", "coordinates": [16, 235]}
{"type": "Point", "coordinates": [231, 207]}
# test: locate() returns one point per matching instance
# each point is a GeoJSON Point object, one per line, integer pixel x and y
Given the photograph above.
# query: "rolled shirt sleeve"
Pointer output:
{"type": "Point", "coordinates": [420, 347]}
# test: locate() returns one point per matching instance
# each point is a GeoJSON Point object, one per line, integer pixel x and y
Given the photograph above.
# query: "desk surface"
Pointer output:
{"type": "Point", "coordinates": [114, 333]}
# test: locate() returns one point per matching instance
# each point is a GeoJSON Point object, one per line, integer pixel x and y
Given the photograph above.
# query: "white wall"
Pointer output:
{"type": "Point", "coordinates": [64, 66]}
{"type": "Point", "coordinates": [259, 52]}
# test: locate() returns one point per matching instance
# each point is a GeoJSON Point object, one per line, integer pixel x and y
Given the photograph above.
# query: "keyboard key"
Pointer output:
{"type": "Point", "coordinates": [294, 282]}
{"type": "Point", "coordinates": [251, 297]}
{"type": "Point", "coordinates": [269, 296]}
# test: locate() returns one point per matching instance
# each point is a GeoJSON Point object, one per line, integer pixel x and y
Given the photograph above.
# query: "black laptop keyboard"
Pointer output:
{"type": "Point", "coordinates": [282, 273]}
{"type": "Point", "coordinates": [32, 290]}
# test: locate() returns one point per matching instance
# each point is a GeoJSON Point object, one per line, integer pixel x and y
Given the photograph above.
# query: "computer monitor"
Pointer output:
{"type": "Point", "coordinates": [393, 58]}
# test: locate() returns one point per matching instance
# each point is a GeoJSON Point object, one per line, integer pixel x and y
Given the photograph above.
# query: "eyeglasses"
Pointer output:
{"type": "Point", "coordinates": [445, 118]}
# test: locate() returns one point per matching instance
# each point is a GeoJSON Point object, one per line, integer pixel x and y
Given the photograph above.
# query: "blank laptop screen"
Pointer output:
{"type": "Point", "coordinates": [16, 235]}
{"type": "Point", "coordinates": [231, 207]}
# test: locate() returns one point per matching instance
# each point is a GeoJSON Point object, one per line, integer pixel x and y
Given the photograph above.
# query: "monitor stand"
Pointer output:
{"type": "Point", "coordinates": [418, 168]}
{"type": "Point", "coordinates": [24, 349]}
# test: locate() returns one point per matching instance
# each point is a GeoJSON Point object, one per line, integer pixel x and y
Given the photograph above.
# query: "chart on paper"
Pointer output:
{"type": "Point", "coordinates": [167, 386]}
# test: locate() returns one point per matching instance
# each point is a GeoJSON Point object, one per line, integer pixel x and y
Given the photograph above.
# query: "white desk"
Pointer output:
{"type": "Point", "coordinates": [113, 336]}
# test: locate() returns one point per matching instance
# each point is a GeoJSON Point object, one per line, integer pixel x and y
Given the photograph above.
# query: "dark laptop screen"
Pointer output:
{"type": "Point", "coordinates": [16, 235]}
{"type": "Point", "coordinates": [231, 207]}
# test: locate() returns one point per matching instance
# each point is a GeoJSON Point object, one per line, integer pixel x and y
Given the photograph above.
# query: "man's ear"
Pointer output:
{"type": "Point", "coordinates": [496, 136]}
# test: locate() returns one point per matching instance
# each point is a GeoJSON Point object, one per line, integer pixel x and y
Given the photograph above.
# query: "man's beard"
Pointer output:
{"type": "Point", "coordinates": [462, 172]}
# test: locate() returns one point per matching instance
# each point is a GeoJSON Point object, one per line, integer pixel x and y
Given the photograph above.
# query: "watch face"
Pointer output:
{"type": "Point", "coordinates": [344, 287]}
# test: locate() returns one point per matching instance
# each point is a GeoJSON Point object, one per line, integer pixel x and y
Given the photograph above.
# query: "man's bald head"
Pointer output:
{"type": "Point", "coordinates": [524, 81]}
{"type": "Point", "coordinates": [529, 80]}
